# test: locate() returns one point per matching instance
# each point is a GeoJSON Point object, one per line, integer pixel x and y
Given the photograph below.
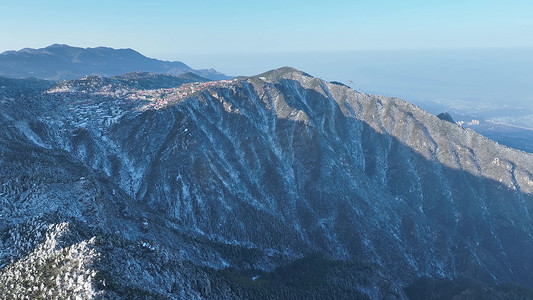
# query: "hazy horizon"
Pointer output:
{"type": "Point", "coordinates": [471, 81]}
{"type": "Point", "coordinates": [455, 51]}
{"type": "Point", "coordinates": [477, 75]}
{"type": "Point", "coordinates": [161, 28]}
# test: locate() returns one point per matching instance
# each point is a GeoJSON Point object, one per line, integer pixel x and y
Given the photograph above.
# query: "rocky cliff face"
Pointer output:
{"type": "Point", "coordinates": [274, 185]}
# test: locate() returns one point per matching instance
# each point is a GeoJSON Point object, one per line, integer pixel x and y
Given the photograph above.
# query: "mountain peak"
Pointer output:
{"type": "Point", "coordinates": [283, 72]}
{"type": "Point", "coordinates": [58, 46]}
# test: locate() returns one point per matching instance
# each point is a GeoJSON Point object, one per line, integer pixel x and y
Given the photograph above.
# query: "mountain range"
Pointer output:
{"type": "Point", "coordinates": [63, 62]}
{"type": "Point", "coordinates": [278, 186]}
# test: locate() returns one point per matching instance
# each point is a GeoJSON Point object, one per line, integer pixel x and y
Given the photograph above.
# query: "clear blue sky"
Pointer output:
{"type": "Point", "coordinates": [169, 29]}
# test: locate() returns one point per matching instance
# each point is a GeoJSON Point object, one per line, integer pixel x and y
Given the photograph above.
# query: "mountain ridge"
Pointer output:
{"type": "Point", "coordinates": [64, 62]}
{"type": "Point", "coordinates": [252, 177]}
{"type": "Point", "coordinates": [134, 80]}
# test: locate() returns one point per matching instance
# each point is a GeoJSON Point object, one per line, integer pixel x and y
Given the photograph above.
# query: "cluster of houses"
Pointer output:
{"type": "Point", "coordinates": [471, 123]}
{"type": "Point", "coordinates": [97, 109]}
{"type": "Point", "coordinates": [162, 97]}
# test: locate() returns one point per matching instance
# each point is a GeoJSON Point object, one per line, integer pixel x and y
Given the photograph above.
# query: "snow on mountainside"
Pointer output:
{"type": "Point", "coordinates": [63, 62]}
{"type": "Point", "coordinates": [277, 185]}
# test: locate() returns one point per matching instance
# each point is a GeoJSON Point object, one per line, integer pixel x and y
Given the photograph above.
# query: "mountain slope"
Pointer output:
{"type": "Point", "coordinates": [208, 185]}
{"type": "Point", "coordinates": [63, 62]}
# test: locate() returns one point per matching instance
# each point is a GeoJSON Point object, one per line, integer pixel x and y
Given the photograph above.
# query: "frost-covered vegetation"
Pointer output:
{"type": "Point", "coordinates": [52, 270]}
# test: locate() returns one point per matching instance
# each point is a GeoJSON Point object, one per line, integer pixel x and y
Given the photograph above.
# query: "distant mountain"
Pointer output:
{"type": "Point", "coordinates": [63, 62]}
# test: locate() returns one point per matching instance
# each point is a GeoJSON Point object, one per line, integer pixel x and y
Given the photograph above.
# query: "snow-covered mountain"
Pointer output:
{"type": "Point", "coordinates": [63, 62]}
{"type": "Point", "coordinates": [278, 185]}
